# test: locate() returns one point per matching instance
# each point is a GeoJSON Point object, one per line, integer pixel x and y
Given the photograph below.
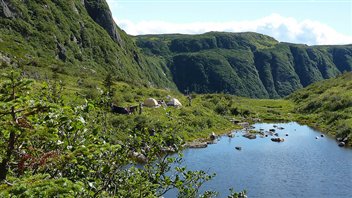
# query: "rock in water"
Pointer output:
{"type": "Point", "coordinates": [250, 136]}
{"type": "Point", "coordinates": [212, 136]}
{"type": "Point", "coordinates": [342, 144]}
{"type": "Point", "coordinates": [277, 139]}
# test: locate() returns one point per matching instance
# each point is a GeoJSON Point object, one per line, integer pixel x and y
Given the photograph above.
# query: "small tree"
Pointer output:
{"type": "Point", "coordinates": [16, 106]}
{"type": "Point", "coordinates": [108, 85]}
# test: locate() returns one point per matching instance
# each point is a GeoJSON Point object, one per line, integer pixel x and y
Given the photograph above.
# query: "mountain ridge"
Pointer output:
{"type": "Point", "coordinates": [246, 64]}
{"type": "Point", "coordinates": [79, 38]}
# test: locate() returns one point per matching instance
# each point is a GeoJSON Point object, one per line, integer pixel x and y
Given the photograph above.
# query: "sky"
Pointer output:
{"type": "Point", "coordinates": [312, 22]}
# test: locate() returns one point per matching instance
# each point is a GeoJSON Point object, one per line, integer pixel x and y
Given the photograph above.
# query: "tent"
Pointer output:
{"type": "Point", "coordinates": [150, 102]}
{"type": "Point", "coordinates": [174, 102]}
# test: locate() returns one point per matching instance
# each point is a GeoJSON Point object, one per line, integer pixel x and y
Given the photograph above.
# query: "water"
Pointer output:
{"type": "Point", "coordinates": [302, 166]}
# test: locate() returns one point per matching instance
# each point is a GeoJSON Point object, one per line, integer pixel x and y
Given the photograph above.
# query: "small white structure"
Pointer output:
{"type": "Point", "coordinates": [174, 102]}
{"type": "Point", "coordinates": [150, 102]}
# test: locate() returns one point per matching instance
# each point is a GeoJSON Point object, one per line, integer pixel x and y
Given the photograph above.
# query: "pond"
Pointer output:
{"type": "Point", "coordinates": [304, 165]}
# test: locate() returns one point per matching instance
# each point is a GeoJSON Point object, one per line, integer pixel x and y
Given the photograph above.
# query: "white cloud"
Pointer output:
{"type": "Point", "coordinates": [285, 29]}
{"type": "Point", "coordinates": [113, 5]}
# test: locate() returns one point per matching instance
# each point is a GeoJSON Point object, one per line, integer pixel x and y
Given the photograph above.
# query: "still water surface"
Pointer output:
{"type": "Point", "coordinates": [302, 166]}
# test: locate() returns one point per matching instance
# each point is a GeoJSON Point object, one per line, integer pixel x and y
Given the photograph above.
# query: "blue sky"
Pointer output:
{"type": "Point", "coordinates": [310, 21]}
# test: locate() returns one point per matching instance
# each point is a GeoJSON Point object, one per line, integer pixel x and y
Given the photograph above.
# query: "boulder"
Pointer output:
{"type": "Point", "coordinates": [250, 136]}
{"type": "Point", "coordinates": [139, 157]}
{"type": "Point", "coordinates": [342, 144]}
{"type": "Point", "coordinates": [277, 139]}
{"type": "Point", "coordinates": [230, 135]}
{"type": "Point", "coordinates": [212, 136]}
{"type": "Point", "coordinates": [244, 124]}
{"type": "Point", "coordinates": [197, 145]}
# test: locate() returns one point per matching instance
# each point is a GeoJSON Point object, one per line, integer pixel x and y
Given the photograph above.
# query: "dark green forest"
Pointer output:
{"type": "Point", "coordinates": [245, 64]}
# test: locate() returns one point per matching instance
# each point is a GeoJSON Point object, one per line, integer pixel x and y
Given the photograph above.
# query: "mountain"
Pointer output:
{"type": "Point", "coordinates": [78, 37]}
{"type": "Point", "coordinates": [245, 64]}
{"type": "Point", "coordinates": [328, 104]}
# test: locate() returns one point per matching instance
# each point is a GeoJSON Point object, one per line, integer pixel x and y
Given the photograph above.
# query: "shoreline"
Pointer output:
{"type": "Point", "coordinates": [204, 142]}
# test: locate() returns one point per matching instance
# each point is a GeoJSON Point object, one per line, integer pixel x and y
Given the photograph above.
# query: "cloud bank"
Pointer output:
{"type": "Point", "coordinates": [284, 29]}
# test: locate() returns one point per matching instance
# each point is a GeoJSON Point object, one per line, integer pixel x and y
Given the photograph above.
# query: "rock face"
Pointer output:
{"type": "Point", "coordinates": [5, 10]}
{"type": "Point", "coordinates": [99, 11]}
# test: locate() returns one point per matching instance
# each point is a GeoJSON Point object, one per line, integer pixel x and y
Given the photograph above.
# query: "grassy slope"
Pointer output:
{"type": "Point", "coordinates": [63, 35]}
{"type": "Point", "coordinates": [327, 105]}
{"type": "Point", "coordinates": [208, 113]}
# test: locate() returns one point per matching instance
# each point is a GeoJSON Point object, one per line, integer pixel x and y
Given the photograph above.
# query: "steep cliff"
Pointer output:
{"type": "Point", "coordinates": [245, 64]}
{"type": "Point", "coordinates": [78, 36]}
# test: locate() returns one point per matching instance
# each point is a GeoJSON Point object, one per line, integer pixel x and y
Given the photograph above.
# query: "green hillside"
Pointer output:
{"type": "Point", "coordinates": [244, 64]}
{"type": "Point", "coordinates": [327, 105]}
{"type": "Point", "coordinates": [77, 37]}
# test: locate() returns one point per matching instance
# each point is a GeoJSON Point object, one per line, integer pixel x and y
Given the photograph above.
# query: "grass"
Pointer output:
{"type": "Point", "coordinates": [327, 105]}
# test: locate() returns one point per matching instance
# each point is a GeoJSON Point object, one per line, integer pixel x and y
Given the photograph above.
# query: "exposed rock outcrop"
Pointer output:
{"type": "Point", "coordinates": [99, 11]}
{"type": "Point", "coordinates": [5, 10]}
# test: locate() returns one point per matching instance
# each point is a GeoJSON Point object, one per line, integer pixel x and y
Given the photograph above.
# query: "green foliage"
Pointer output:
{"type": "Point", "coordinates": [70, 149]}
{"type": "Point", "coordinates": [42, 185]}
{"type": "Point", "coordinates": [330, 103]}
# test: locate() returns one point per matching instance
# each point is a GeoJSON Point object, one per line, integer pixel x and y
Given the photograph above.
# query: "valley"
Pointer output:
{"type": "Point", "coordinates": [74, 121]}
